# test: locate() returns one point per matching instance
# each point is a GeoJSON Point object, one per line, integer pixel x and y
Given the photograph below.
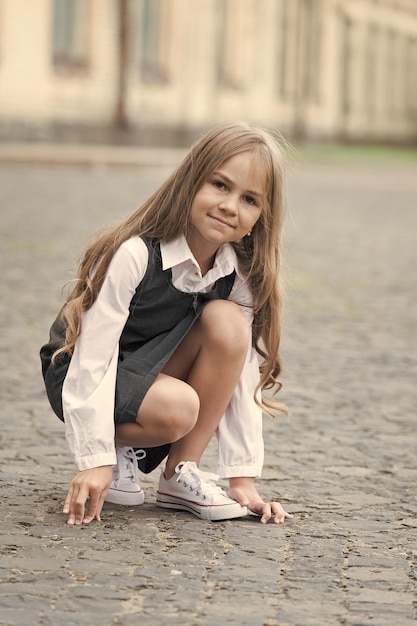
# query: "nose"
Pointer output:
{"type": "Point", "coordinates": [229, 204]}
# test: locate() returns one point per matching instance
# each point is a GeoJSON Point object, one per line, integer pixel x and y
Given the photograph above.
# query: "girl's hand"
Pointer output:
{"type": "Point", "coordinates": [243, 490]}
{"type": "Point", "coordinates": [92, 483]}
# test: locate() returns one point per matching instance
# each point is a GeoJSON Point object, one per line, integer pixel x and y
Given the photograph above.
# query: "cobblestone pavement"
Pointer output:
{"type": "Point", "coordinates": [344, 462]}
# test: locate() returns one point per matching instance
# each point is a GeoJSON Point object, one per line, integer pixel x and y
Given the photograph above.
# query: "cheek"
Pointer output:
{"type": "Point", "coordinates": [200, 200]}
{"type": "Point", "coordinates": [254, 217]}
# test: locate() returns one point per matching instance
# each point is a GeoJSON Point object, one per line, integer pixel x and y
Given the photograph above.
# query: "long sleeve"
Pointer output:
{"type": "Point", "coordinates": [239, 434]}
{"type": "Point", "coordinates": [88, 391]}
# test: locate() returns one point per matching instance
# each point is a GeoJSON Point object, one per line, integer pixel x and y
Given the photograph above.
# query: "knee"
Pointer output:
{"type": "Point", "coordinates": [178, 412]}
{"type": "Point", "coordinates": [226, 328]}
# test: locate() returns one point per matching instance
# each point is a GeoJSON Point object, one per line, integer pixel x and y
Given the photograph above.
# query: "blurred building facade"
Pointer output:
{"type": "Point", "coordinates": [159, 69]}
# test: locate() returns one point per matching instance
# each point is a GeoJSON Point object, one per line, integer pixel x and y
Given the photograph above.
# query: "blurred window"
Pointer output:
{"type": "Point", "coordinates": [70, 33]}
{"type": "Point", "coordinates": [230, 63]}
{"type": "Point", "coordinates": [299, 44]}
{"type": "Point", "coordinates": [345, 60]}
{"type": "Point", "coordinates": [402, 75]}
{"type": "Point", "coordinates": [392, 72]}
{"type": "Point", "coordinates": [153, 40]}
{"type": "Point", "coordinates": [311, 43]}
{"type": "Point", "coordinates": [411, 81]}
{"type": "Point", "coordinates": [371, 70]}
{"type": "Point", "coordinates": [283, 38]}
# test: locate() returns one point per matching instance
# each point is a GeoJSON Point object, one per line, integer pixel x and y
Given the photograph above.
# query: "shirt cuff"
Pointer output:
{"type": "Point", "coordinates": [253, 470]}
{"type": "Point", "coordinates": [96, 460]}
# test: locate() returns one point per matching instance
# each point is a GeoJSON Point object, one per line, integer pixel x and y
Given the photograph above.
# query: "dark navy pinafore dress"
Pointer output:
{"type": "Point", "coordinates": [159, 318]}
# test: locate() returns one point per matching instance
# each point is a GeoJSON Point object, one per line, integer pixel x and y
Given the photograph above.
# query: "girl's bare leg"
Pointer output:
{"type": "Point", "coordinates": [188, 399]}
{"type": "Point", "coordinates": [168, 412]}
{"type": "Point", "coordinates": [221, 336]}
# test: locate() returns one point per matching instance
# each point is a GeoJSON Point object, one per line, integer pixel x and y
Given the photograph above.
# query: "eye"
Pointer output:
{"type": "Point", "coordinates": [250, 200]}
{"type": "Point", "coordinates": [219, 184]}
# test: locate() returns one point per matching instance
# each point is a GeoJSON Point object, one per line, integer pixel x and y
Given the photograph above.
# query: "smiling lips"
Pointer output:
{"type": "Point", "coordinates": [221, 221]}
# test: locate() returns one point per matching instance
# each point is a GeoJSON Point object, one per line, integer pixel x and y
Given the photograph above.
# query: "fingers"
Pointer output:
{"type": "Point", "coordinates": [68, 499]}
{"type": "Point", "coordinates": [75, 504]}
{"type": "Point", "coordinates": [91, 485]}
{"type": "Point", "coordinates": [266, 513]}
{"type": "Point", "coordinates": [265, 510]}
{"type": "Point", "coordinates": [95, 506]}
{"type": "Point", "coordinates": [274, 510]}
{"type": "Point", "coordinates": [278, 513]}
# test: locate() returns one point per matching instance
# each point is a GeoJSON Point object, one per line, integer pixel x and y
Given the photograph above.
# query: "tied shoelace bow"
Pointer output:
{"type": "Point", "coordinates": [193, 479]}
{"type": "Point", "coordinates": [131, 457]}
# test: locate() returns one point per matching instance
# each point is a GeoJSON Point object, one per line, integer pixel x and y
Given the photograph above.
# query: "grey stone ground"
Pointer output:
{"type": "Point", "coordinates": [344, 462]}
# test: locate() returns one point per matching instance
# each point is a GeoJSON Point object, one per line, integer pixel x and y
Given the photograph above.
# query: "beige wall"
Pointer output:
{"type": "Point", "coordinates": [319, 68]}
{"type": "Point", "coordinates": [31, 88]}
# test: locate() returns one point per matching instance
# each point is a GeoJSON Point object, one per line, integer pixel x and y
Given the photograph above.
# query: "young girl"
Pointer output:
{"type": "Point", "coordinates": [157, 347]}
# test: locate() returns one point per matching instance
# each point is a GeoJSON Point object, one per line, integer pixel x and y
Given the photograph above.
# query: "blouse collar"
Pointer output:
{"type": "Point", "coordinates": [178, 251]}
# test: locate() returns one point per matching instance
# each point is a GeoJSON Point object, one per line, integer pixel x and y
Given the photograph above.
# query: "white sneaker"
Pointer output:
{"type": "Point", "coordinates": [195, 491]}
{"type": "Point", "coordinates": [124, 487]}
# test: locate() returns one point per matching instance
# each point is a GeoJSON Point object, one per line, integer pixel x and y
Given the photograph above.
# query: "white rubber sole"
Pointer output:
{"type": "Point", "coordinates": [126, 498]}
{"type": "Point", "coordinates": [210, 512]}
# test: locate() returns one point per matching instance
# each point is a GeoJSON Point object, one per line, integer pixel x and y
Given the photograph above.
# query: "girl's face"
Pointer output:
{"type": "Point", "coordinates": [228, 204]}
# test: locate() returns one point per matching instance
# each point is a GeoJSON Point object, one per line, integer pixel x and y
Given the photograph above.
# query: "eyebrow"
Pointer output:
{"type": "Point", "coordinates": [258, 194]}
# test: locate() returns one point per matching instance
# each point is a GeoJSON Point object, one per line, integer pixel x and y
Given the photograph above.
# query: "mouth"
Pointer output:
{"type": "Point", "coordinates": [221, 221]}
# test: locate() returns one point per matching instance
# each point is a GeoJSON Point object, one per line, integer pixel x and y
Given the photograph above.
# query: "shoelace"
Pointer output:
{"type": "Point", "coordinates": [201, 483]}
{"type": "Point", "coordinates": [130, 458]}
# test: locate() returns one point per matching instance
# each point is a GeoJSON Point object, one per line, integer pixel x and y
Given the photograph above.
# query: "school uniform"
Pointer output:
{"type": "Point", "coordinates": [129, 334]}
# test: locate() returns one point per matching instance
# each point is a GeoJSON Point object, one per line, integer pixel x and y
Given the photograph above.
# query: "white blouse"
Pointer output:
{"type": "Point", "coordinates": [89, 386]}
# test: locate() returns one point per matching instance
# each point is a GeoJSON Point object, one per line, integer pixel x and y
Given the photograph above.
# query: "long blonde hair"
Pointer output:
{"type": "Point", "coordinates": [166, 216]}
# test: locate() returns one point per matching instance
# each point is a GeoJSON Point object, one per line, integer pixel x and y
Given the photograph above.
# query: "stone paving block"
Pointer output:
{"type": "Point", "coordinates": [381, 558]}
{"type": "Point", "coordinates": [375, 575]}
{"type": "Point", "coordinates": [17, 616]}
{"type": "Point", "coordinates": [310, 612]}
{"type": "Point", "coordinates": [381, 596]}
{"type": "Point", "coordinates": [370, 613]}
